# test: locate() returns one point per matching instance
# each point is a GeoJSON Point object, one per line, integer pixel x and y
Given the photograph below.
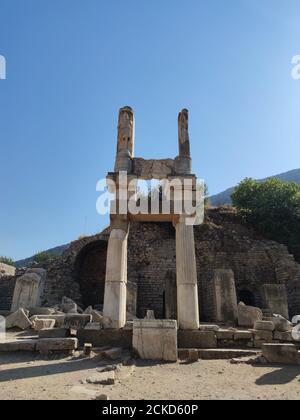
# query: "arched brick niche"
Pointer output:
{"type": "Point", "coordinates": [90, 267]}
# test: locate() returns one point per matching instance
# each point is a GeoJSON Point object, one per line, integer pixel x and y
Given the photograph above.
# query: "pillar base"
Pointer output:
{"type": "Point", "coordinates": [188, 313]}
{"type": "Point", "coordinates": [115, 304]}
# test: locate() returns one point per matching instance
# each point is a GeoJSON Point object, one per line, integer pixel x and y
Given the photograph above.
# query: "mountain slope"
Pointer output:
{"type": "Point", "coordinates": [57, 251]}
{"type": "Point", "coordinates": [225, 196]}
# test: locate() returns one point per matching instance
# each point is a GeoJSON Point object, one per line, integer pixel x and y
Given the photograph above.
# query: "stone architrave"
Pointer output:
{"type": "Point", "coordinates": [187, 287]}
{"type": "Point", "coordinates": [226, 308]}
{"type": "Point", "coordinates": [116, 278]}
{"type": "Point", "coordinates": [275, 299]}
{"type": "Point", "coordinates": [28, 290]}
{"type": "Point", "coordinates": [155, 339]}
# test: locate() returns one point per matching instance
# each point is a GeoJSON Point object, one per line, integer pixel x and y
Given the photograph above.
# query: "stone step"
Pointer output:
{"type": "Point", "coordinates": [218, 354]}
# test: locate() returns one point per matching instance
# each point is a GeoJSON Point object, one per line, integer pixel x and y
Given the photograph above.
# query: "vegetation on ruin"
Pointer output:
{"type": "Point", "coordinates": [7, 260]}
{"type": "Point", "coordinates": [45, 258]}
{"type": "Point", "coordinates": [272, 207]}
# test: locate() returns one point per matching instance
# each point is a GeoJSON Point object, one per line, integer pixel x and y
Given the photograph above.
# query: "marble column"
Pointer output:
{"type": "Point", "coordinates": [187, 288]}
{"type": "Point", "coordinates": [116, 278]}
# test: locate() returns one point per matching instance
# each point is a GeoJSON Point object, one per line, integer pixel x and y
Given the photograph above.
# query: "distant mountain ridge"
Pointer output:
{"type": "Point", "coordinates": [57, 251]}
{"type": "Point", "coordinates": [224, 197]}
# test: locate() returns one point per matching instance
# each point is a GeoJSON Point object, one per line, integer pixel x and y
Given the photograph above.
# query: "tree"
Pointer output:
{"type": "Point", "coordinates": [273, 207]}
{"type": "Point", "coordinates": [7, 261]}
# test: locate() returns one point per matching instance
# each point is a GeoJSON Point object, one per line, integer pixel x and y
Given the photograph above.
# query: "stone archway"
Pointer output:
{"type": "Point", "coordinates": [247, 297]}
{"type": "Point", "coordinates": [90, 268]}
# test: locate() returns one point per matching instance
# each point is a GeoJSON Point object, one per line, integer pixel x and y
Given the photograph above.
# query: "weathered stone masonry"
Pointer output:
{"type": "Point", "coordinates": [221, 242]}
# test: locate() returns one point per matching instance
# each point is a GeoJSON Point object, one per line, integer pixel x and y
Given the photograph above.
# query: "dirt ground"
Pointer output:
{"type": "Point", "coordinates": [27, 376]}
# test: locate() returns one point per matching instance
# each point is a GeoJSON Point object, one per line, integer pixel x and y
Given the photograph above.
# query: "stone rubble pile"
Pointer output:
{"type": "Point", "coordinates": [63, 327]}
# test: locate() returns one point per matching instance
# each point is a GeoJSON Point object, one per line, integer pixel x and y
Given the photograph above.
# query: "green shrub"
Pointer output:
{"type": "Point", "coordinates": [272, 207]}
{"type": "Point", "coordinates": [7, 260]}
{"type": "Point", "coordinates": [45, 258]}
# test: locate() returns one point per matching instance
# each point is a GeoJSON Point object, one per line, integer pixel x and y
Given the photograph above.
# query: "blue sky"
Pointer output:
{"type": "Point", "coordinates": [71, 64]}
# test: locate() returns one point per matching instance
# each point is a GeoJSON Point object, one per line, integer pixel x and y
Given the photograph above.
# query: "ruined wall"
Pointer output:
{"type": "Point", "coordinates": [221, 243]}
{"type": "Point", "coordinates": [7, 285]}
{"type": "Point", "coordinates": [224, 243]}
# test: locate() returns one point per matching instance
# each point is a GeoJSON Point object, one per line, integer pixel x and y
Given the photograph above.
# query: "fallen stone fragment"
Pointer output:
{"type": "Point", "coordinates": [281, 353]}
{"type": "Point", "coordinates": [264, 326]}
{"type": "Point", "coordinates": [124, 372]}
{"type": "Point", "coordinates": [59, 319]}
{"type": "Point", "coordinates": [7, 270]}
{"type": "Point", "coordinates": [87, 349]}
{"type": "Point", "coordinates": [49, 345]}
{"type": "Point", "coordinates": [68, 306]}
{"type": "Point", "coordinates": [96, 316]}
{"type": "Point", "coordinates": [18, 345]}
{"type": "Point", "coordinates": [283, 336]}
{"type": "Point", "coordinates": [18, 319]}
{"type": "Point", "coordinates": [76, 321]}
{"type": "Point", "coordinates": [88, 310]}
{"type": "Point", "coordinates": [102, 397]}
{"type": "Point", "coordinates": [150, 315]}
{"type": "Point", "coordinates": [250, 360]}
{"type": "Point", "coordinates": [41, 311]}
{"type": "Point", "coordinates": [54, 333]}
{"type": "Point", "coordinates": [248, 315]}
{"type": "Point", "coordinates": [107, 368]}
{"type": "Point", "coordinates": [42, 324]}
{"type": "Point", "coordinates": [281, 324]}
{"type": "Point", "coordinates": [107, 378]}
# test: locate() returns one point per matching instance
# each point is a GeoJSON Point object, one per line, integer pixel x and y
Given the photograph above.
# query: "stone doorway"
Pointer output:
{"type": "Point", "coordinates": [247, 297]}
{"type": "Point", "coordinates": [90, 268]}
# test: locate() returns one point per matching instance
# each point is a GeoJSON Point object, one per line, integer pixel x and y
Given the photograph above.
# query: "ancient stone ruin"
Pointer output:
{"type": "Point", "coordinates": [213, 285]}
